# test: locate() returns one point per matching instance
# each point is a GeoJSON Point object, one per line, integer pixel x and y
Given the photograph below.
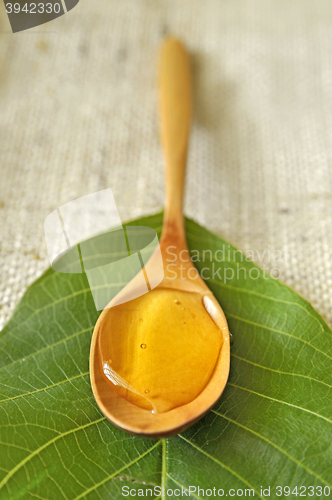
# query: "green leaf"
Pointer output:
{"type": "Point", "coordinates": [272, 426]}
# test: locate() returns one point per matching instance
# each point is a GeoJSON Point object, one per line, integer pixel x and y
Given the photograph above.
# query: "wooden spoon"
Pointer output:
{"type": "Point", "coordinates": [175, 105]}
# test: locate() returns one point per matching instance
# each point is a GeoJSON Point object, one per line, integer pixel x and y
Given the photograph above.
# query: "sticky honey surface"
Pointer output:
{"type": "Point", "coordinates": [159, 351]}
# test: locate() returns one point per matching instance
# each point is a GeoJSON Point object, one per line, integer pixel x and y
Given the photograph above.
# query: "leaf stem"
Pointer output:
{"type": "Point", "coordinates": [163, 470]}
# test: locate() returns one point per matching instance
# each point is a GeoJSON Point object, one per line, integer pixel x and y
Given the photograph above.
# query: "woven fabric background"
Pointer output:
{"type": "Point", "coordinates": [78, 114]}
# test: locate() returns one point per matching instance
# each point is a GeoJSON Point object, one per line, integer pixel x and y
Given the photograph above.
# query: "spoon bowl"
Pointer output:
{"type": "Point", "coordinates": [180, 275]}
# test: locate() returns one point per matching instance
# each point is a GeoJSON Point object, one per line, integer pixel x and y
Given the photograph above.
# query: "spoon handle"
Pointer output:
{"type": "Point", "coordinates": [175, 114]}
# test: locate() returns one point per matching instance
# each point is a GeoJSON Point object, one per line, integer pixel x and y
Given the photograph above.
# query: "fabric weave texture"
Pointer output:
{"type": "Point", "coordinates": [79, 113]}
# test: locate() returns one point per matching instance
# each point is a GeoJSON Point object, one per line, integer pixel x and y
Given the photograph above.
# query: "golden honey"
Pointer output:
{"type": "Point", "coordinates": [159, 350]}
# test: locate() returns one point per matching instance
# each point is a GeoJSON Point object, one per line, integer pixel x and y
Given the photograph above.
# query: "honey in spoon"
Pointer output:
{"type": "Point", "coordinates": [159, 362]}
{"type": "Point", "coordinates": [159, 350]}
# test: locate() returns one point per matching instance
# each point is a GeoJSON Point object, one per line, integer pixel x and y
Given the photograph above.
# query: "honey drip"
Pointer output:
{"type": "Point", "coordinates": [159, 351]}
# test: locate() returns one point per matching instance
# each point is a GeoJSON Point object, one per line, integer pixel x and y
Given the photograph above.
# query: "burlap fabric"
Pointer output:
{"type": "Point", "coordinates": [79, 114]}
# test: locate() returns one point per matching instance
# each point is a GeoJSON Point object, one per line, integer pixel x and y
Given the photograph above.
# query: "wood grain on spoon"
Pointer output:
{"type": "Point", "coordinates": [175, 107]}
